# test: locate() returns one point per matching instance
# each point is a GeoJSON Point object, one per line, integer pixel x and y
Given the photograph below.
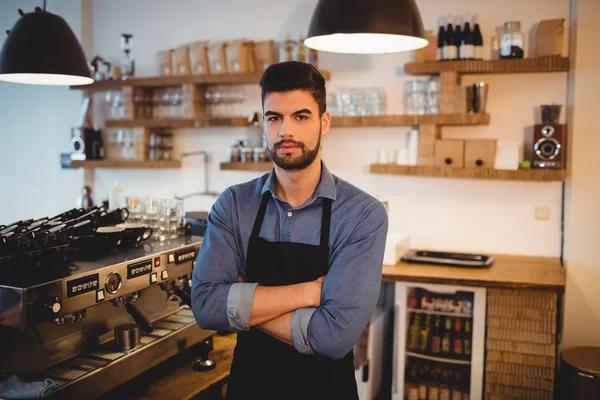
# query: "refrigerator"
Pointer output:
{"type": "Point", "coordinates": [369, 353]}
{"type": "Point", "coordinates": [439, 340]}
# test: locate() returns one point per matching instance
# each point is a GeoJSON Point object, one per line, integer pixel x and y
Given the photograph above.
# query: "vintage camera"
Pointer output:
{"type": "Point", "coordinates": [86, 144]}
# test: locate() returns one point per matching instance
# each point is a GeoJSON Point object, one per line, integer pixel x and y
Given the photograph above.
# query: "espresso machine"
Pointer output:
{"type": "Point", "coordinates": [93, 321]}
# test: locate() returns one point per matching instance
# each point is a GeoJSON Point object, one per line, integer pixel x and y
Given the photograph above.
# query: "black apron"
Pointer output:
{"type": "Point", "coordinates": [266, 368]}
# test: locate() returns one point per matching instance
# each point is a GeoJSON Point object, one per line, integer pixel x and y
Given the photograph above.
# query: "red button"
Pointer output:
{"type": "Point", "coordinates": [157, 262]}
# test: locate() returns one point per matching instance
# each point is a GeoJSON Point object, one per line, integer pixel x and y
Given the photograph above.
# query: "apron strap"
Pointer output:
{"type": "Point", "coordinates": [325, 223]}
{"type": "Point", "coordinates": [260, 215]}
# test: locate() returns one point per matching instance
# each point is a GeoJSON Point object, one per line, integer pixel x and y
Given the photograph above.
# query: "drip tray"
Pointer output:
{"type": "Point", "coordinates": [105, 369]}
{"type": "Point", "coordinates": [466, 260]}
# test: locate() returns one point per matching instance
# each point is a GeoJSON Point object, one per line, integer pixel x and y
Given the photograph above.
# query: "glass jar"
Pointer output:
{"type": "Point", "coordinates": [511, 41]}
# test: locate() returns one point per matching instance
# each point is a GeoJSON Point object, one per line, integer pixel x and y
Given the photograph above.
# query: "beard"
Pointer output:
{"type": "Point", "coordinates": [290, 162]}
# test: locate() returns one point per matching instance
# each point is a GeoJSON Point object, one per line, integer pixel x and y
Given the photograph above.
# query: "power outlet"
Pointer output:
{"type": "Point", "coordinates": [542, 213]}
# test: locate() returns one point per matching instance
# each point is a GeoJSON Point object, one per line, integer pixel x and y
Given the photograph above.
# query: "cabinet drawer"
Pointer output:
{"type": "Point", "coordinates": [480, 153]}
{"type": "Point", "coordinates": [449, 153]}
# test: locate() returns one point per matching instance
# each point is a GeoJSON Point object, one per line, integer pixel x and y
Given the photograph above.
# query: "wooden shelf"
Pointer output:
{"type": "Point", "coordinates": [177, 123]}
{"type": "Point", "coordinates": [161, 81]}
{"type": "Point", "coordinates": [508, 66]}
{"type": "Point", "coordinates": [408, 120]}
{"type": "Point", "coordinates": [251, 166]}
{"type": "Point", "coordinates": [537, 175]}
{"type": "Point", "coordinates": [126, 164]}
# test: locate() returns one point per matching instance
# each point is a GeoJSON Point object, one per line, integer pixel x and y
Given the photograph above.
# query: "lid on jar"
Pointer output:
{"type": "Point", "coordinates": [246, 149]}
{"type": "Point", "coordinates": [512, 25]}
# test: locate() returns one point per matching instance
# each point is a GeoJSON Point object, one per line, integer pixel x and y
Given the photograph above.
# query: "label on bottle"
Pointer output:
{"type": "Point", "coordinates": [458, 347]}
{"type": "Point", "coordinates": [478, 52]}
{"type": "Point", "coordinates": [446, 345]}
{"type": "Point", "coordinates": [434, 393]}
{"type": "Point", "coordinates": [466, 51]}
{"type": "Point", "coordinates": [444, 393]}
{"type": "Point", "coordinates": [413, 393]}
{"type": "Point", "coordinates": [450, 52]}
{"type": "Point", "coordinates": [457, 395]}
{"type": "Point", "coordinates": [438, 54]}
{"type": "Point", "coordinates": [436, 344]}
{"type": "Point", "coordinates": [505, 43]}
{"type": "Point", "coordinates": [467, 345]}
{"type": "Point", "coordinates": [423, 391]}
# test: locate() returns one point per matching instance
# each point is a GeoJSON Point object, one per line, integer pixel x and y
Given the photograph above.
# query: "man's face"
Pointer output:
{"type": "Point", "coordinates": [293, 128]}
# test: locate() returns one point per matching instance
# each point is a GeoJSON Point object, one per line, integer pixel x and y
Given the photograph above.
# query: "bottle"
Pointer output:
{"type": "Point", "coordinates": [436, 338]}
{"type": "Point", "coordinates": [466, 44]}
{"type": "Point", "coordinates": [477, 39]}
{"type": "Point", "coordinates": [127, 60]}
{"type": "Point", "coordinates": [300, 50]}
{"type": "Point", "coordinates": [414, 332]}
{"type": "Point", "coordinates": [457, 343]}
{"type": "Point", "coordinates": [511, 41]}
{"type": "Point", "coordinates": [467, 339]}
{"type": "Point", "coordinates": [466, 386]}
{"type": "Point", "coordinates": [445, 385]}
{"type": "Point", "coordinates": [115, 197]}
{"type": "Point", "coordinates": [457, 393]}
{"type": "Point", "coordinates": [412, 389]}
{"type": "Point", "coordinates": [425, 334]}
{"type": "Point", "coordinates": [423, 377]}
{"type": "Point", "coordinates": [449, 52]}
{"type": "Point", "coordinates": [458, 34]}
{"type": "Point", "coordinates": [433, 390]}
{"type": "Point", "coordinates": [439, 53]}
{"type": "Point", "coordinates": [447, 337]}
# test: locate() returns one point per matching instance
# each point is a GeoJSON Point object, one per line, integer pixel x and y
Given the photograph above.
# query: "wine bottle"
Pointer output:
{"type": "Point", "coordinates": [477, 39]}
{"type": "Point", "coordinates": [425, 335]}
{"type": "Point", "coordinates": [458, 339]}
{"type": "Point", "coordinates": [412, 388]}
{"type": "Point", "coordinates": [433, 390]}
{"type": "Point", "coordinates": [466, 45]}
{"type": "Point", "coordinates": [439, 53]}
{"type": "Point", "coordinates": [449, 42]}
{"type": "Point", "coordinates": [458, 34]}
{"type": "Point", "coordinates": [447, 338]}
{"type": "Point", "coordinates": [414, 333]}
{"type": "Point", "coordinates": [467, 339]}
{"type": "Point", "coordinates": [423, 376]}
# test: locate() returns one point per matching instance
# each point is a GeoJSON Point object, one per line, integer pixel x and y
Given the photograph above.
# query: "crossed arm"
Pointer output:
{"type": "Point", "coordinates": [325, 316]}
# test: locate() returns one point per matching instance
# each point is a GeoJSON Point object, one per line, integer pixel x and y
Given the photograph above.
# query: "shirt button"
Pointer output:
{"type": "Point", "coordinates": [289, 214]}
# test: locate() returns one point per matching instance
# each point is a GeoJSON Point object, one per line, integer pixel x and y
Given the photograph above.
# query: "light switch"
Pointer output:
{"type": "Point", "coordinates": [164, 275]}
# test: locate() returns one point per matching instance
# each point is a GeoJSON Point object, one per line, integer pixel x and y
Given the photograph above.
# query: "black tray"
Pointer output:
{"type": "Point", "coordinates": [466, 260]}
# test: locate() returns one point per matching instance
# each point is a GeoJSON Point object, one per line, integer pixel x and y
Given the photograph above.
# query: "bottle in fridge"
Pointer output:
{"type": "Point", "coordinates": [439, 336]}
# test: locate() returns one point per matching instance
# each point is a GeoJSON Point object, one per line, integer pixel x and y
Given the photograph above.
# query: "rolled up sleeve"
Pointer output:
{"type": "Point", "coordinates": [300, 320]}
{"type": "Point", "coordinates": [219, 302]}
{"type": "Point", "coordinates": [351, 287]}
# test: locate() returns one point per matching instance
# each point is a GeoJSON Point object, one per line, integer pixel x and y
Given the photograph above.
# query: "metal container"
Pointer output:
{"type": "Point", "coordinates": [127, 336]}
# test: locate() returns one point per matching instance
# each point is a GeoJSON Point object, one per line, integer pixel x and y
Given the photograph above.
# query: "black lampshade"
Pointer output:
{"type": "Point", "coordinates": [366, 26]}
{"type": "Point", "coordinates": [42, 49]}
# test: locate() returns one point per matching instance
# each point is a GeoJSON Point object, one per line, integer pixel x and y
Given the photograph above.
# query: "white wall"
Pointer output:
{"type": "Point", "coordinates": [35, 124]}
{"type": "Point", "coordinates": [582, 312]}
{"type": "Point", "coordinates": [486, 216]}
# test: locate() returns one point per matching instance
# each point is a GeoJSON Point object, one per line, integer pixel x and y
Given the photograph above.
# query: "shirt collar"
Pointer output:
{"type": "Point", "coordinates": [325, 188]}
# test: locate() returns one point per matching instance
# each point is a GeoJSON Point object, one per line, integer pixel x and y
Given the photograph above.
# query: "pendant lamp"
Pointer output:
{"type": "Point", "coordinates": [41, 49]}
{"type": "Point", "coordinates": [366, 27]}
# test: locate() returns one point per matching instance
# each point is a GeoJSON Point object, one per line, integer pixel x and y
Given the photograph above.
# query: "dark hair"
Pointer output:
{"type": "Point", "coordinates": [294, 75]}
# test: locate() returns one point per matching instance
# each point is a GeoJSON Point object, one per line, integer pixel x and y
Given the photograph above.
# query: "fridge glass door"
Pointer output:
{"type": "Point", "coordinates": [439, 342]}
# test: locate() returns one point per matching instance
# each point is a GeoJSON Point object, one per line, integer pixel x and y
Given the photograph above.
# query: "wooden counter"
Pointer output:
{"type": "Point", "coordinates": [509, 272]}
{"type": "Point", "coordinates": [175, 379]}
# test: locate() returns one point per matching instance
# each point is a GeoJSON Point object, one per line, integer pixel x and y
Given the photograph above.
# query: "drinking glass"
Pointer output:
{"type": "Point", "coordinates": [150, 211]}
{"type": "Point", "coordinates": [170, 217]}
{"type": "Point", "coordinates": [134, 205]}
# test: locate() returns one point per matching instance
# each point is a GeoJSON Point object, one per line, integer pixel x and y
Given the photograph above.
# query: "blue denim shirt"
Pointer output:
{"type": "Point", "coordinates": [350, 290]}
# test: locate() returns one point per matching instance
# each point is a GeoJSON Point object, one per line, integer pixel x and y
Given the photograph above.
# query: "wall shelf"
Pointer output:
{"type": "Point", "coordinates": [508, 66]}
{"type": "Point", "coordinates": [251, 166]}
{"type": "Point", "coordinates": [147, 164]}
{"type": "Point", "coordinates": [160, 81]}
{"type": "Point", "coordinates": [177, 123]}
{"type": "Point", "coordinates": [534, 175]}
{"type": "Point", "coordinates": [408, 120]}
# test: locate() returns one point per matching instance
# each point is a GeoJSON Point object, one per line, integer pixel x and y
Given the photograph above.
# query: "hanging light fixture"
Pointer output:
{"type": "Point", "coordinates": [41, 49]}
{"type": "Point", "coordinates": [366, 27]}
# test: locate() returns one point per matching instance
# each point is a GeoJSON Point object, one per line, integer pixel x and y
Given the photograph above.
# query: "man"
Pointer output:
{"type": "Point", "coordinates": [291, 260]}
